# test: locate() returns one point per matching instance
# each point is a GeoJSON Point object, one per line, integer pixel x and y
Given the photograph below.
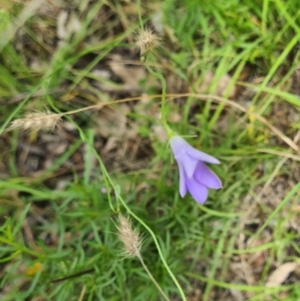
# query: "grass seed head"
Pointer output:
{"type": "Point", "coordinates": [36, 121]}
{"type": "Point", "coordinates": [146, 41]}
{"type": "Point", "coordinates": [129, 237]}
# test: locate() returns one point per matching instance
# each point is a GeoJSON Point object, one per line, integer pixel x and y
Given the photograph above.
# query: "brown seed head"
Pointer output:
{"type": "Point", "coordinates": [36, 121]}
{"type": "Point", "coordinates": [129, 237]}
{"type": "Point", "coordinates": [146, 41]}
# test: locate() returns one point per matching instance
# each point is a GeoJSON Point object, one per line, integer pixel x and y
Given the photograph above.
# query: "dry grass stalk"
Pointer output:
{"type": "Point", "coordinates": [146, 40]}
{"type": "Point", "coordinates": [36, 121]}
{"type": "Point", "coordinates": [132, 247]}
{"type": "Point", "coordinates": [129, 237]}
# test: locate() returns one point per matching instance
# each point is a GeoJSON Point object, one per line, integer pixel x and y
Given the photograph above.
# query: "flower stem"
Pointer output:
{"type": "Point", "coordinates": [152, 278]}
{"type": "Point", "coordinates": [157, 247]}
{"type": "Point", "coordinates": [163, 97]}
{"type": "Point", "coordinates": [121, 200]}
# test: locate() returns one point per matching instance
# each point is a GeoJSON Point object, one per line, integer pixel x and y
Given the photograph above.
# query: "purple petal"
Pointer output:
{"type": "Point", "coordinates": [197, 190]}
{"type": "Point", "coordinates": [182, 181]}
{"type": "Point", "coordinates": [207, 177]}
{"type": "Point", "coordinates": [179, 145]}
{"type": "Point", "coordinates": [196, 154]}
{"type": "Point", "coordinates": [188, 163]}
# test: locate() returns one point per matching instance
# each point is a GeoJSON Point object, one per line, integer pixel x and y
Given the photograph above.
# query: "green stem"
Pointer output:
{"type": "Point", "coordinates": [118, 196]}
{"type": "Point", "coordinates": [108, 180]}
{"type": "Point", "coordinates": [140, 14]}
{"type": "Point", "coordinates": [152, 278]}
{"type": "Point", "coordinates": [163, 98]}
{"type": "Point", "coordinates": [157, 247]}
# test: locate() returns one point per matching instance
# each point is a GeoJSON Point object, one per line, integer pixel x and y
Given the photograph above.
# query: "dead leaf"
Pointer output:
{"type": "Point", "coordinates": [222, 85]}
{"type": "Point", "coordinates": [61, 20]}
{"type": "Point", "coordinates": [111, 144]}
{"type": "Point", "coordinates": [157, 21]}
{"type": "Point", "coordinates": [237, 295]}
{"type": "Point", "coordinates": [257, 259]}
{"type": "Point", "coordinates": [281, 274]}
{"type": "Point", "coordinates": [130, 76]}
{"type": "Point", "coordinates": [112, 121]}
{"type": "Point", "coordinates": [67, 24]}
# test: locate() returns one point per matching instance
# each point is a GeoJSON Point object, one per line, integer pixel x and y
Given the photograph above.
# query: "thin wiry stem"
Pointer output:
{"type": "Point", "coordinates": [121, 200]}
{"type": "Point", "coordinates": [132, 246]}
{"type": "Point", "coordinates": [163, 98]}
{"type": "Point", "coordinates": [152, 278]}
{"type": "Point", "coordinates": [140, 14]}
{"type": "Point", "coordinates": [149, 230]}
{"type": "Point", "coordinates": [204, 97]}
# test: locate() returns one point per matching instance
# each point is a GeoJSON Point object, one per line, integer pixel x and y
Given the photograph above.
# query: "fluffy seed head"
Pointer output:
{"type": "Point", "coordinates": [146, 41]}
{"type": "Point", "coordinates": [36, 121]}
{"type": "Point", "coordinates": [129, 237]}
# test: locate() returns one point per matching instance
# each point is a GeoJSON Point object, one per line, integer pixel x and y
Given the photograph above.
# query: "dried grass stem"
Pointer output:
{"type": "Point", "coordinates": [132, 247]}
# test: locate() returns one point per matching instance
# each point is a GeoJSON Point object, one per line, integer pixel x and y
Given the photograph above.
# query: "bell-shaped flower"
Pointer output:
{"type": "Point", "coordinates": [194, 175]}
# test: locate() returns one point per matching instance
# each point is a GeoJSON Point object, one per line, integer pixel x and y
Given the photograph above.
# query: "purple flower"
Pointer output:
{"type": "Point", "coordinates": [194, 175]}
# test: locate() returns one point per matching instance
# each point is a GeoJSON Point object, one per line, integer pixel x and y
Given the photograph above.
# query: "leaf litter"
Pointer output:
{"type": "Point", "coordinates": [124, 149]}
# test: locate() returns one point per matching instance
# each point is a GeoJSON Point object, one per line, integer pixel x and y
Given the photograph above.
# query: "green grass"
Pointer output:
{"type": "Point", "coordinates": [74, 241]}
